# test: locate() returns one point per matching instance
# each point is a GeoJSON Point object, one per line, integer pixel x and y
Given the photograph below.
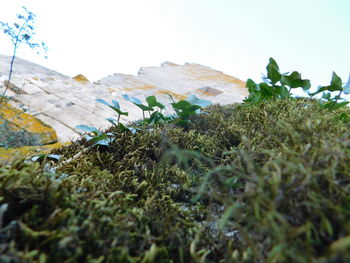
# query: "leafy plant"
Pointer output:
{"type": "Point", "coordinates": [139, 104]}
{"type": "Point", "coordinates": [276, 85]}
{"type": "Point", "coordinates": [186, 108]}
{"type": "Point", "coordinates": [20, 32]}
{"type": "Point", "coordinates": [116, 107]}
{"type": "Point", "coordinates": [336, 85]}
{"type": "Point", "coordinates": [96, 136]}
{"type": "Point", "coordinates": [183, 109]}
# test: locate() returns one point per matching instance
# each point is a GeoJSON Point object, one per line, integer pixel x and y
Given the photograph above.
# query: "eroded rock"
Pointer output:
{"type": "Point", "coordinates": [63, 102]}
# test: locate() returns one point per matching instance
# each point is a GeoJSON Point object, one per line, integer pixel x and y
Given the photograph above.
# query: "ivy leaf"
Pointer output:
{"type": "Point", "coordinates": [273, 72]}
{"type": "Point", "coordinates": [339, 105]}
{"type": "Point", "coordinates": [152, 102]}
{"type": "Point", "coordinates": [294, 80]}
{"type": "Point", "coordinates": [181, 105]}
{"type": "Point", "coordinates": [265, 90]}
{"type": "Point", "coordinates": [282, 92]}
{"type": "Point", "coordinates": [336, 85]}
{"type": "Point", "coordinates": [252, 86]}
{"type": "Point", "coordinates": [336, 82]}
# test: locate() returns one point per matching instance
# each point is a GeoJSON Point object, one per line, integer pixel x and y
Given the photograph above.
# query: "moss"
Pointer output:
{"type": "Point", "coordinates": [263, 183]}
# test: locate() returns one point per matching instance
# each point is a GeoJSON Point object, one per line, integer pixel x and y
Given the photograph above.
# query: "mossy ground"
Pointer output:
{"type": "Point", "coordinates": [265, 183]}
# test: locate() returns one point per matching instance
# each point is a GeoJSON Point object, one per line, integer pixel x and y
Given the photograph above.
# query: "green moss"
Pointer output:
{"type": "Point", "coordinates": [265, 183]}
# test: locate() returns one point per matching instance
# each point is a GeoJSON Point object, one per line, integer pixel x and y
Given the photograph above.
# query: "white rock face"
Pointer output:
{"type": "Point", "coordinates": [63, 102]}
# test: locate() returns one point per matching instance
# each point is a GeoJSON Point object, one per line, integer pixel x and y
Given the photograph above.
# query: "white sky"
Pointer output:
{"type": "Point", "coordinates": [98, 38]}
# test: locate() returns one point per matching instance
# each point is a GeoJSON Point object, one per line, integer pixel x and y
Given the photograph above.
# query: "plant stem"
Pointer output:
{"type": "Point", "coordinates": [16, 44]}
{"type": "Point", "coordinates": [337, 97]}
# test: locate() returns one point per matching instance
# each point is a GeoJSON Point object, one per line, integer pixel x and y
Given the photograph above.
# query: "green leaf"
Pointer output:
{"type": "Point", "coordinates": [156, 117]}
{"type": "Point", "coordinates": [266, 90]}
{"type": "Point", "coordinates": [152, 102]}
{"type": "Point", "coordinates": [282, 92]}
{"type": "Point", "coordinates": [294, 80]}
{"type": "Point", "coordinates": [119, 111]}
{"type": "Point", "coordinates": [99, 137]}
{"type": "Point", "coordinates": [86, 128]}
{"type": "Point", "coordinates": [181, 105]}
{"type": "Point", "coordinates": [339, 105]}
{"type": "Point", "coordinates": [273, 71]}
{"type": "Point", "coordinates": [336, 82]}
{"type": "Point", "coordinates": [252, 86]}
{"type": "Point", "coordinates": [144, 107]}
{"type": "Point", "coordinates": [336, 85]}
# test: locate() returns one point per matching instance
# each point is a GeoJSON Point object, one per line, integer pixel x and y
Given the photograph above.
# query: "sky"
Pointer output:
{"type": "Point", "coordinates": [99, 38]}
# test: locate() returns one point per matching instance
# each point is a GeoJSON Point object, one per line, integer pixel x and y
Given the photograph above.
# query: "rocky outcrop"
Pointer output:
{"type": "Point", "coordinates": [63, 102]}
{"type": "Point", "coordinates": [21, 129]}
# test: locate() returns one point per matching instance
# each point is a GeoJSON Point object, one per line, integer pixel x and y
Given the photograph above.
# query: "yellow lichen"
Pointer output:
{"type": "Point", "coordinates": [175, 95]}
{"type": "Point", "coordinates": [144, 87]}
{"type": "Point", "coordinates": [20, 120]}
{"type": "Point", "coordinates": [81, 78]}
{"type": "Point", "coordinates": [7, 155]}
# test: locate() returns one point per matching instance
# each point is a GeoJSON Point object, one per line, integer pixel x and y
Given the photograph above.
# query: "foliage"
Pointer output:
{"type": "Point", "coordinates": [279, 86]}
{"type": "Point", "coordinates": [335, 85]}
{"type": "Point", "coordinates": [21, 32]}
{"type": "Point", "coordinates": [265, 183]}
{"type": "Point", "coordinates": [276, 85]}
{"type": "Point", "coordinates": [183, 108]}
{"type": "Point", "coordinates": [98, 138]}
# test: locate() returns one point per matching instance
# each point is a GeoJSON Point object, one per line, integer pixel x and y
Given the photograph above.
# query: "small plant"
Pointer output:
{"type": "Point", "coordinates": [336, 85]}
{"type": "Point", "coordinates": [276, 85]}
{"type": "Point", "coordinates": [116, 107]}
{"type": "Point", "coordinates": [21, 32]}
{"type": "Point", "coordinates": [96, 136]}
{"type": "Point", "coordinates": [183, 108]}
{"type": "Point", "coordinates": [189, 107]}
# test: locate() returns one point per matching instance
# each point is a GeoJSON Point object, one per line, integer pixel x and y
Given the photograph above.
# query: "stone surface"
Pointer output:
{"type": "Point", "coordinates": [36, 131]}
{"type": "Point", "coordinates": [64, 102]}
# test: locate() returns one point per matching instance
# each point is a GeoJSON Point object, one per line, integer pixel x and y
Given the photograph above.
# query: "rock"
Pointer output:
{"type": "Point", "coordinates": [81, 78]}
{"type": "Point", "coordinates": [19, 129]}
{"type": "Point", "coordinates": [63, 102]}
